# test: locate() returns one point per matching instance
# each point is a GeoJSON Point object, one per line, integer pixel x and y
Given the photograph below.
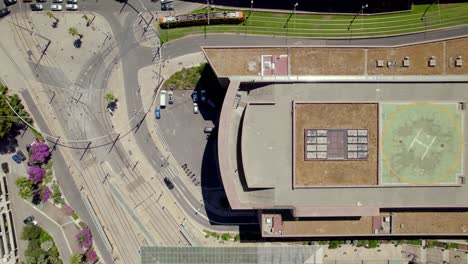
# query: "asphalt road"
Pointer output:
{"type": "Point", "coordinates": [69, 188]}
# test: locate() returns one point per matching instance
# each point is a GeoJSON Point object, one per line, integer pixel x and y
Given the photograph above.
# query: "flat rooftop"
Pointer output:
{"type": "Point", "coordinates": [337, 166]}
{"type": "Point", "coordinates": [266, 135]}
{"type": "Point", "coordinates": [448, 57]}
{"type": "Point", "coordinates": [394, 223]}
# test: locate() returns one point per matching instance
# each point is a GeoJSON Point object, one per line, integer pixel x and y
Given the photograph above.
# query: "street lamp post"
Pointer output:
{"type": "Point", "coordinates": [362, 18]}
{"type": "Point", "coordinates": [294, 17]}
{"type": "Point", "coordinates": [245, 23]}
{"type": "Point", "coordinates": [423, 17]}
{"type": "Point", "coordinates": [208, 10]}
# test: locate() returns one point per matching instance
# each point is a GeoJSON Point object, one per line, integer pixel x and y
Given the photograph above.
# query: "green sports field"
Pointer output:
{"type": "Point", "coordinates": [421, 143]}
{"type": "Point", "coordinates": [331, 25]}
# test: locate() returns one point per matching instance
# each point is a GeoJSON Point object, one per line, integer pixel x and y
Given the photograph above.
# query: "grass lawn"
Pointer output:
{"type": "Point", "coordinates": [185, 79]}
{"type": "Point", "coordinates": [323, 25]}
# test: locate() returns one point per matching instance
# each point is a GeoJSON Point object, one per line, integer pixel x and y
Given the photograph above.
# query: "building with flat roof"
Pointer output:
{"type": "Point", "coordinates": [348, 141]}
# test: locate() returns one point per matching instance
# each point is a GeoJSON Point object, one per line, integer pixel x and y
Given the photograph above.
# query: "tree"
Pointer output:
{"type": "Point", "coordinates": [85, 238]}
{"type": "Point", "coordinates": [91, 256]}
{"type": "Point", "coordinates": [110, 98]}
{"type": "Point", "coordinates": [39, 152]}
{"type": "Point", "coordinates": [25, 187]}
{"type": "Point", "coordinates": [26, 193]}
{"type": "Point", "coordinates": [51, 15]}
{"type": "Point", "coordinates": [74, 32]}
{"type": "Point", "coordinates": [7, 123]}
{"type": "Point", "coordinates": [31, 232]}
{"type": "Point", "coordinates": [23, 182]}
{"type": "Point", "coordinates": [36, 173]}
{"type": "Point", "coordinates": [47, 245]}
{"type": "Point", "coordinates": [76, 259]}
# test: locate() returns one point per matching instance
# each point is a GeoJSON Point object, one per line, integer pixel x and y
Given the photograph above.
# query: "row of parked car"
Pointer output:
{"type": "Point", "coordinates": [71, 6]}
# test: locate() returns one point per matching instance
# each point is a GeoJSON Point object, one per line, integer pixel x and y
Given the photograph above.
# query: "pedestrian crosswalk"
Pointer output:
{"type": "Point", "coordinates": [169, 171]}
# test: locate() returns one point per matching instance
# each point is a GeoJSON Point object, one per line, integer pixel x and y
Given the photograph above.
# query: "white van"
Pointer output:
{"type": "Point", "coordinates": [162, 102]}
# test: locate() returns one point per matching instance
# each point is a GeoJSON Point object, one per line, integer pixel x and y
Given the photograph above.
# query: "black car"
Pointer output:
{"type": "Point", "coordinates": [5, 167]}
{"type": "Point", "coordinates": [4, 12]}
{"type": "Point", "coordinates": [36, 7]}
{"type": "Point", "coordinates": [28, 219]}
{"type": "Point", "coordinates": [167, 7]}
{"type": "Point", "coordinates": [9, 2]}
{"type": "Point", "coordinates": [168, 183]}
{"type": "Point", "coordinates": [28, 147]}
{"type": "Point", "coordinates": [41, 1]}
{"type": "Point", "coordinates": [21, 155]}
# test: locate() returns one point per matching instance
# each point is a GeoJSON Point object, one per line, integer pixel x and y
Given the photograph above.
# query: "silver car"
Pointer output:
{"type": "Point", "coordinates": [71, 7]}
{"type": "Point", "coordinates": [56, 7]}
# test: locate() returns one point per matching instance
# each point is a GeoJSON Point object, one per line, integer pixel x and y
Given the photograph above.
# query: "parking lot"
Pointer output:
{"type": "Point", "coordinates": [183, 130]}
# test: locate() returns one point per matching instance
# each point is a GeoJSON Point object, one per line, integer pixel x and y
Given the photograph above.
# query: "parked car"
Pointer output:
{"type": "Point", "coordinates": [37, 7]}
{"type": "Point", "coordinates": [168, 183]}
{"type": "Point", "coordinates": [72, 1]}
{"type": "Point", "coordinates": [195, 108]}
{"type": "Point", "coordinates": [167, 7]}
{"type": "Point", "coordinates": [4, 12]}
{"type": "Point", "coordinates": [28, 219]}
{"type": "Point", "coordinates": [5, 167]}
{"type": "Point", "coordinates": [56, 7]}
{"type": "Point", "coordinates": [171, 97]}
{"type": "Point", "coordinates": [9, 2]}
{"type": "Point", "coordinates": [41, 1]}
{"type": "Point", "coordinates": [203, 95]}
{"type": "Point", "coordinates": [195, 96]}
{"type": "Point", "coordinates": [27, 1]}
{"type": "Point", "coordinates": [28, 147]}
{"type": "Point", "coordinates": [16, 159]}
{"type": "Point", "coordinates": [157, 112]}
{"type": "Point", "coordinates": [165, 1]}
{"type": "Point", "coordinates": [208, 129]}
{"type": "Point", "coordinates": [71, 7]}
{"type": "Point", "coordinates": [20, 154]}
{"type": "Point", "coordinates": [57, 1]}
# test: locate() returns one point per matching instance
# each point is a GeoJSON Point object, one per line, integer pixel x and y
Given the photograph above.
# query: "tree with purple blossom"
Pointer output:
{"type": "Point", "coordinates": [85, 238]}
{"type": "Point", "coordinates": [45, 194]}
{"type": "Point", "coordinates": [68, 210]}
{"type": "Point", "coordinates": [36, 173]}
{"type": "Point", "coordinates": [91, 256]}
{"type": "Point", "coordinates": [39, 152]}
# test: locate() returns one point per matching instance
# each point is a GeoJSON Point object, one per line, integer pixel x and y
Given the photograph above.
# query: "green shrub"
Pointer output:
{"type": "Point", "coordinates": [334, 244]}
{"type": "Point", "coordinates": [44, 236]}
{"type": "Point", "coordinates": [31, 232]}
{"type": "Point", "coordinates": [56, 194]}
{"type": "Point", "coordinates": [226, 236]}
{"type": "Point", "coordinates": [373, 243]}
{"type": "Point", "coordinates": [323, 242]}
{"type": "Point", "coordinates": [74, 216]}
{"type": "Point", "coordinates": [237, 237]}
{"type": "Point", "coordinates": [362, 243]}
